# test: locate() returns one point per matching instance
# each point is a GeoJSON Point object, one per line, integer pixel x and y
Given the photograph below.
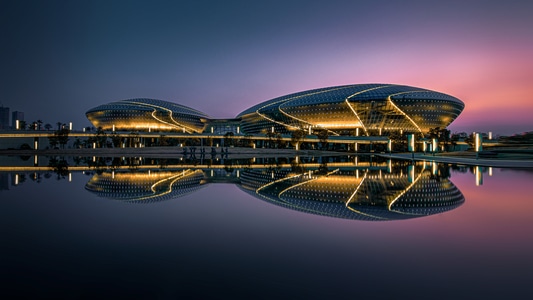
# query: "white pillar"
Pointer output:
{"type": "Point", "coordinates": [411, 142]}
{"type": "Point", "coordinates": [479, 175]}
{"type": "Point", "coordinates": [478, 145]}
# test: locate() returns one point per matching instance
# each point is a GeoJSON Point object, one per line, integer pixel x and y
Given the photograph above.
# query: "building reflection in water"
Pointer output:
{"type": "Point", "coordinates": [374, 192]}
{"type": "Point", "coordinates": [145, 186]}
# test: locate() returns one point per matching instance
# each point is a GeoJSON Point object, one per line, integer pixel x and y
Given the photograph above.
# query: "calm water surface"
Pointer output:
{"type": "Point", "coordinates": [317, 229]}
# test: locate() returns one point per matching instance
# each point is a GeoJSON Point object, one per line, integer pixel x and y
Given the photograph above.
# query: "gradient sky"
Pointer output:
{"type": "Point", "coordinates": [60, 58]}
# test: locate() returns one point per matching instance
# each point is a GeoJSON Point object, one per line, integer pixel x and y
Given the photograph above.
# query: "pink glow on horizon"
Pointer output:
{"type": "Point", "coordinates": [228, 60]}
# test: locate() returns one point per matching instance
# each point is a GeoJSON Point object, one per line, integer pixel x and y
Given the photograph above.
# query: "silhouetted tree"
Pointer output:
{"type": "Point", "coordinates": [59, 166]}
{"type": "Point", "coordinates": [441, 134]}
{"type": "Point", "coordinates": [399, 141]}
{"type": "Point", "coordinates": [270, 135]}
{"type": "Point", "coordinates": [296, 136]}
{"type": "Point", "coordinates": [228, 138]}
{"type": "Point", "coordinates": [100, 137]}
{"type": "Point", "coordinates": [77, 143]}
{"type": "Point", "coordinates": [279, 141]}
{"type": "Point", "coordinates": [53, 141]}
{"type": "Point", "coordinates": [62, 137]}
{"type": "Point", "coordinates": [116, 140]}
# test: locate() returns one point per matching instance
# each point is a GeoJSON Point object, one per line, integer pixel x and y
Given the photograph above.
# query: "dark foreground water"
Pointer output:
{"type": "Point", "coordinates": [350, 228]}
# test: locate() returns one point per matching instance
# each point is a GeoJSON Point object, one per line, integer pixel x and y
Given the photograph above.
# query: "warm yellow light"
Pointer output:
{"type": "Point", "coordinates": [479, 175]}
{"type": "Point", "coordinates": [478, 142]}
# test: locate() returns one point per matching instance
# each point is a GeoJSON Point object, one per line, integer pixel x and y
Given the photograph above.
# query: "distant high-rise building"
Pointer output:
{"type": "Point", "coordinates": [4, 117]}
{"type": "Point", "coordinates": [16, 115]}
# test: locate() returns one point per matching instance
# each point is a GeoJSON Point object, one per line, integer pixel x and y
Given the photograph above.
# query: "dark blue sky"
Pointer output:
{"type": "Point", "coordinates": [60, 58]}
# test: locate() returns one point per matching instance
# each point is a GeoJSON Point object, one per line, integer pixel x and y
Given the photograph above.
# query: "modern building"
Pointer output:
{"type": "Point", "coordinates": [350, 110]}
{"type": "Point", "coordinates": [361, 109]}
{"type": "Point", "coordinates": [147, 115]}
{"type": "Point", "coordinates": [4, 118]}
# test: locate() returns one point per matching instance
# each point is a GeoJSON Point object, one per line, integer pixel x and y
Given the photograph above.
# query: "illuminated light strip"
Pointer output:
{"type": "Point", "coordinates": [166, 109]}
{"type": "Point", "coordinates": [401, 111]}
{"type": "Point", "coordinates": [276, 181]}
{"type": "Point", "coordinates": [164, 122]}
{"type": "Point", "coordinates": [365, 214]}
{"type": "Point", "coordinates": [173, 178]}
{"type": "Point", "coordinates": [296, 207]}
{"type": "Point", "coordinates": [299, 208]}
{"type": "Point", "coordinates": [274, 121]}
{"type": "Point", "coordinates": [357, 211]}
{"type": "Point", "coordinates": [358, 93]}
{"type": "Point", "coordinates": [284, 101]}
{"type": "Point", "coordinates": [349, 125]}
{"type": "Point", "coordinates": [361, 122]}
{"type": "Point", "coordinates": [357, 189]}
{"type": "Point", "coordinates": [302, 183]}
{"type": "Point", "coordinates": [163, 180]}
{"type": "Point", "coordinates": [404, 191]}
{"type": "Point", "coordinates": [271, 120]}
{"type": "Point", "coordinates": [306, 95]}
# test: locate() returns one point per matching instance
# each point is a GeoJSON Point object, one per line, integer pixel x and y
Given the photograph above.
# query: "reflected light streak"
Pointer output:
{"type": "Point", "coordinates": [403, 192]}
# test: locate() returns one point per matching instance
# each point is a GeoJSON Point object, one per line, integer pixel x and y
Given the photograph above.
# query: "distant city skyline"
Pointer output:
{"type": "Point", "coordinates": [60, 58]}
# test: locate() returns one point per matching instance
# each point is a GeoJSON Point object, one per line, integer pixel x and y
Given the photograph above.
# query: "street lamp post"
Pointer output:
{"type": "Point", "coordinates": [411, 144]}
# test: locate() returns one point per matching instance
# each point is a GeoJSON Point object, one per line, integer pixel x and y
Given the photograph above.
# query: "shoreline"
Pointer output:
{"type": "Point", "coordinates": [513, 160]}
{"type": "Point", "coordinates": [169, 152]}
{"type": "Point", "coordinates": [467, 158]}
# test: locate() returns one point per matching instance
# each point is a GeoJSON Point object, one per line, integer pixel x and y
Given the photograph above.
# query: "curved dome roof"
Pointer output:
{"type": "Point", "coordinates": [144, 113]}
{"type": "Point", "coordinates": [351, 92]}
{"type": "Point", "coordinates": [365, 106]}
{"type": "Point", "coordinates": [148, 104]}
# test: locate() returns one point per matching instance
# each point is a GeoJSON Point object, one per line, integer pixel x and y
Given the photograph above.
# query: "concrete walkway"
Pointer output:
{"type": "Point", "coordinates": [486, 162]}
